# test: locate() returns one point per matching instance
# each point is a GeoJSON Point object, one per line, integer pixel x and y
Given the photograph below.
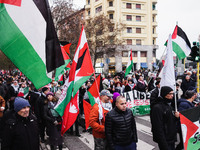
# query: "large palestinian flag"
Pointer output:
{"type": "Point", "coordinates": [191, 128]}
{"type": "Point", "coordinates": [28, 38]}
{"type": "Point", "coordinates": [180, 43]}
{"type": "Point", "coordinates": [129, 64]}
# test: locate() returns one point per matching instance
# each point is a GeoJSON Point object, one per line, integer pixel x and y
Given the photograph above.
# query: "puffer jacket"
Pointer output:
{"type": "Point", "coordinates": [120, 128]}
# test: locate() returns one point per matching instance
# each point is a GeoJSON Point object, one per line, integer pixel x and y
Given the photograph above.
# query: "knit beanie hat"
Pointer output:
{"type": "Point", "coordinates": [115, 95]}
{"type": "Point", "coordinates": [49, 93]}
{"type": "Point", "coordinates": [20, 103]}
{"type": "Point", "coordinates": [165, 90]}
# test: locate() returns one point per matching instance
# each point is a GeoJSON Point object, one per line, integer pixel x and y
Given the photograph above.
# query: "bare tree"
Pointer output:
{"type": "Point", "coordinates": [67, 22]}
{"type": "Point", "coordinates": [103, 36]}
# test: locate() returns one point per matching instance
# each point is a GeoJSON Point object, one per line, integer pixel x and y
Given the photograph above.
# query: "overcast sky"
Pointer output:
{"type": "Point", "coordinates": [185, 12]}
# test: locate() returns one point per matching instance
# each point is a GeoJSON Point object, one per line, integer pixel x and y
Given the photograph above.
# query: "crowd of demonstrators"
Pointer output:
{"type": "Point", "coordinates": [42, 101]}
{"type": "Point", "coordinates": [25, 114]}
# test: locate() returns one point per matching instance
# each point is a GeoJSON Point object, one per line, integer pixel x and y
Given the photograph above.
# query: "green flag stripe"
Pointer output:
{"type": "Point", "coordinates": [179, 52]}
{"type": "Point", "coordinates": [129, 69]}
{"type": "Point", "coordinates": [60, 70]}
{"type": "Point", "coordinates": [79, 83]}
{"type": "Point", "coordinates": [20, 51]}
{"type": "Point", "coordinates": [61, 107]}
{"type": "Point", "coordinates": [91, 98]}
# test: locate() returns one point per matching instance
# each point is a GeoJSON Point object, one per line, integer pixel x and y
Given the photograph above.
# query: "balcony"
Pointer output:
{"type": "Point", "coordinates": [87, 6]}
{"type": "Point", "coordinates": [110, 9]}
{"type": "Point", "coordinates": [154, 12]}
{"type": "Point", "coordinates": [155, 24]}
{"type": "Point", "coordinates": [155, 35]}
{"type": "Point", "coordinates": [154, 1]}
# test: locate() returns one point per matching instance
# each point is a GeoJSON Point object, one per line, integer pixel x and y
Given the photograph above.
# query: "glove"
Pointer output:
{"type": "Point", "coordinates": [55, 123]}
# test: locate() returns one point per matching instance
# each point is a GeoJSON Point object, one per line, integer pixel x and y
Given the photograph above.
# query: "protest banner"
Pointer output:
{"type": "Point", "coordinates": [138, 101]}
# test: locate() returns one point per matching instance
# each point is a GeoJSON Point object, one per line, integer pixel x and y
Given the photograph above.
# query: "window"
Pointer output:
{"type": "Point", "coordinates": [143, 54]}
{"type": "Point", "coordinates": [128, 5]}
{"type": "Point", "coordinates": [124, 53]}
{"type": "Point", "coordinates": [138, 6]}
{"type": "Point", "coordinates": [110, 3]}
{"type": "Point", "coordinates": [134, 53]}
{"type": "Point", "coordinates": [153, 42]}
{"type": "Point", "coordinates": [111, 16]}
{"type": "Point", "coordinates": [138, 18]}
{"type": "Point", "coordinates": [153, 30]}
{"type": "Point", "coordinates": [128, 17]}
{"type": "Point", "coordinates": [129, 41]}
{"type": "Point", "coordinates": [96, 0]}
{"type": "Point", "coordinates": [88, 2]}
{"type": "Point", "coordinates": [129, 30]}
{"type": "Point", "coordinates": [138, 42]}
{"type": "Point", "coordinates": [88, 12]}
{"type": "Point", "coordinates": [98, 9]}
{"type": "Point", "coordinates": [154, 7]}
{"type": "Point", "coordinates": [138, 30]}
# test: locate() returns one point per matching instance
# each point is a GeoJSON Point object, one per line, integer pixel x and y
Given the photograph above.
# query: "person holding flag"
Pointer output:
{"type": "Point", "coordinates": [163, 120]}
{"type": "Point", "coordinates": [97, 119]}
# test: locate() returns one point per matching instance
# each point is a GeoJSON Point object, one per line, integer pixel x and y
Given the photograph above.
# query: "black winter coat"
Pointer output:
{"type": "Point", "coordinates": [54, 131]}
{"type": "Point", "coordinates": [141, 87]}
{"type": "Point", "coordinates": [120, 128]}
{"type": "Point", "coordinates": [20, 133]}
{"type": "Point", "coordinates": [163, 123]}
{"type": "Point", "coordinates": [39, 109]}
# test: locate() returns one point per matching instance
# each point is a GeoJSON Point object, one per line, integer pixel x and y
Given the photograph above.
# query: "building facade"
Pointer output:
{"type": "Point", "coordinates": [139, 17]}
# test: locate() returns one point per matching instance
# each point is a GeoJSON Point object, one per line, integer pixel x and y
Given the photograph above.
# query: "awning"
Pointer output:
{"type": "Point", "coordinates": [144, 65]}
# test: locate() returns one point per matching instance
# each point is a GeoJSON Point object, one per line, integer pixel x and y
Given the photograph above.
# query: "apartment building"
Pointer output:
{"type": "Point", "coordinates": [139, 17]}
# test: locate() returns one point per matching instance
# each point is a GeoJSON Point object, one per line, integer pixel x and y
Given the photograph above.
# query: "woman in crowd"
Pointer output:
{"type": "Point", "coordinates": [53, 121]}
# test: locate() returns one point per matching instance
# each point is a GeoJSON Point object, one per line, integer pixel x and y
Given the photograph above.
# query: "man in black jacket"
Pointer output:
{"type": "Point", "coordinates": [163, 120]}
{"type": "Point", "coordinates": [120, 127]}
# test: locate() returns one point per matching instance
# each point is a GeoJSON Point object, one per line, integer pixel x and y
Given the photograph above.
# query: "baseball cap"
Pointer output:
{"type": "Point", "coordinates": [106, 92]}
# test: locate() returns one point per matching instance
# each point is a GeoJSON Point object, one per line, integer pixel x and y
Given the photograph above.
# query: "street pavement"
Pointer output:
{"type": "Point", "coordinates": [85, 141]}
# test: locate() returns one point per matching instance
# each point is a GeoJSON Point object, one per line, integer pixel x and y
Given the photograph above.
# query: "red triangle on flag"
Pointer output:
{"type": "Point", "coordinates": [66, 48]}
{"type": "Point", "coordinates": [191, 128]}
{"type": "Point", "coordinates": [12, 2]}
{"type": "Point", "coordinates": [65, 56]}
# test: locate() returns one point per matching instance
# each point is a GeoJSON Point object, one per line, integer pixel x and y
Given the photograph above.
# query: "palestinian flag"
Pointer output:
{"type": "Point", "coordinates": [93, 93]}
{"type": "Point", "coordinates": [180, 43]}
{"type": "Point", "coordinates": [29, 40]}
{"type": "Point", "coordinates": [191, 128]}
{"type": "Point", "coordinates": [61, 70]}
{"type": "Point", "coordinates": [81, 70]}
{"type": "Point", "coordinates": [130, 64]}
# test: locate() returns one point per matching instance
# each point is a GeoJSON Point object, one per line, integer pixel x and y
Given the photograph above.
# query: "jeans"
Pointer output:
{"type": "Point", "coordinates": [132, 146]}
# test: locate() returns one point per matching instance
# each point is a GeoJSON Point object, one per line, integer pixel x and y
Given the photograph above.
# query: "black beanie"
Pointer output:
{"type": "Point", "coordinates": [165, 90]}
{"type": "Point", "coordinates": [44, 89]}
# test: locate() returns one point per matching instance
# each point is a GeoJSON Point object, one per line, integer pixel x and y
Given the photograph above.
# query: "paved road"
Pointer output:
{"type": "Point", "coordinates": [85, 142]}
